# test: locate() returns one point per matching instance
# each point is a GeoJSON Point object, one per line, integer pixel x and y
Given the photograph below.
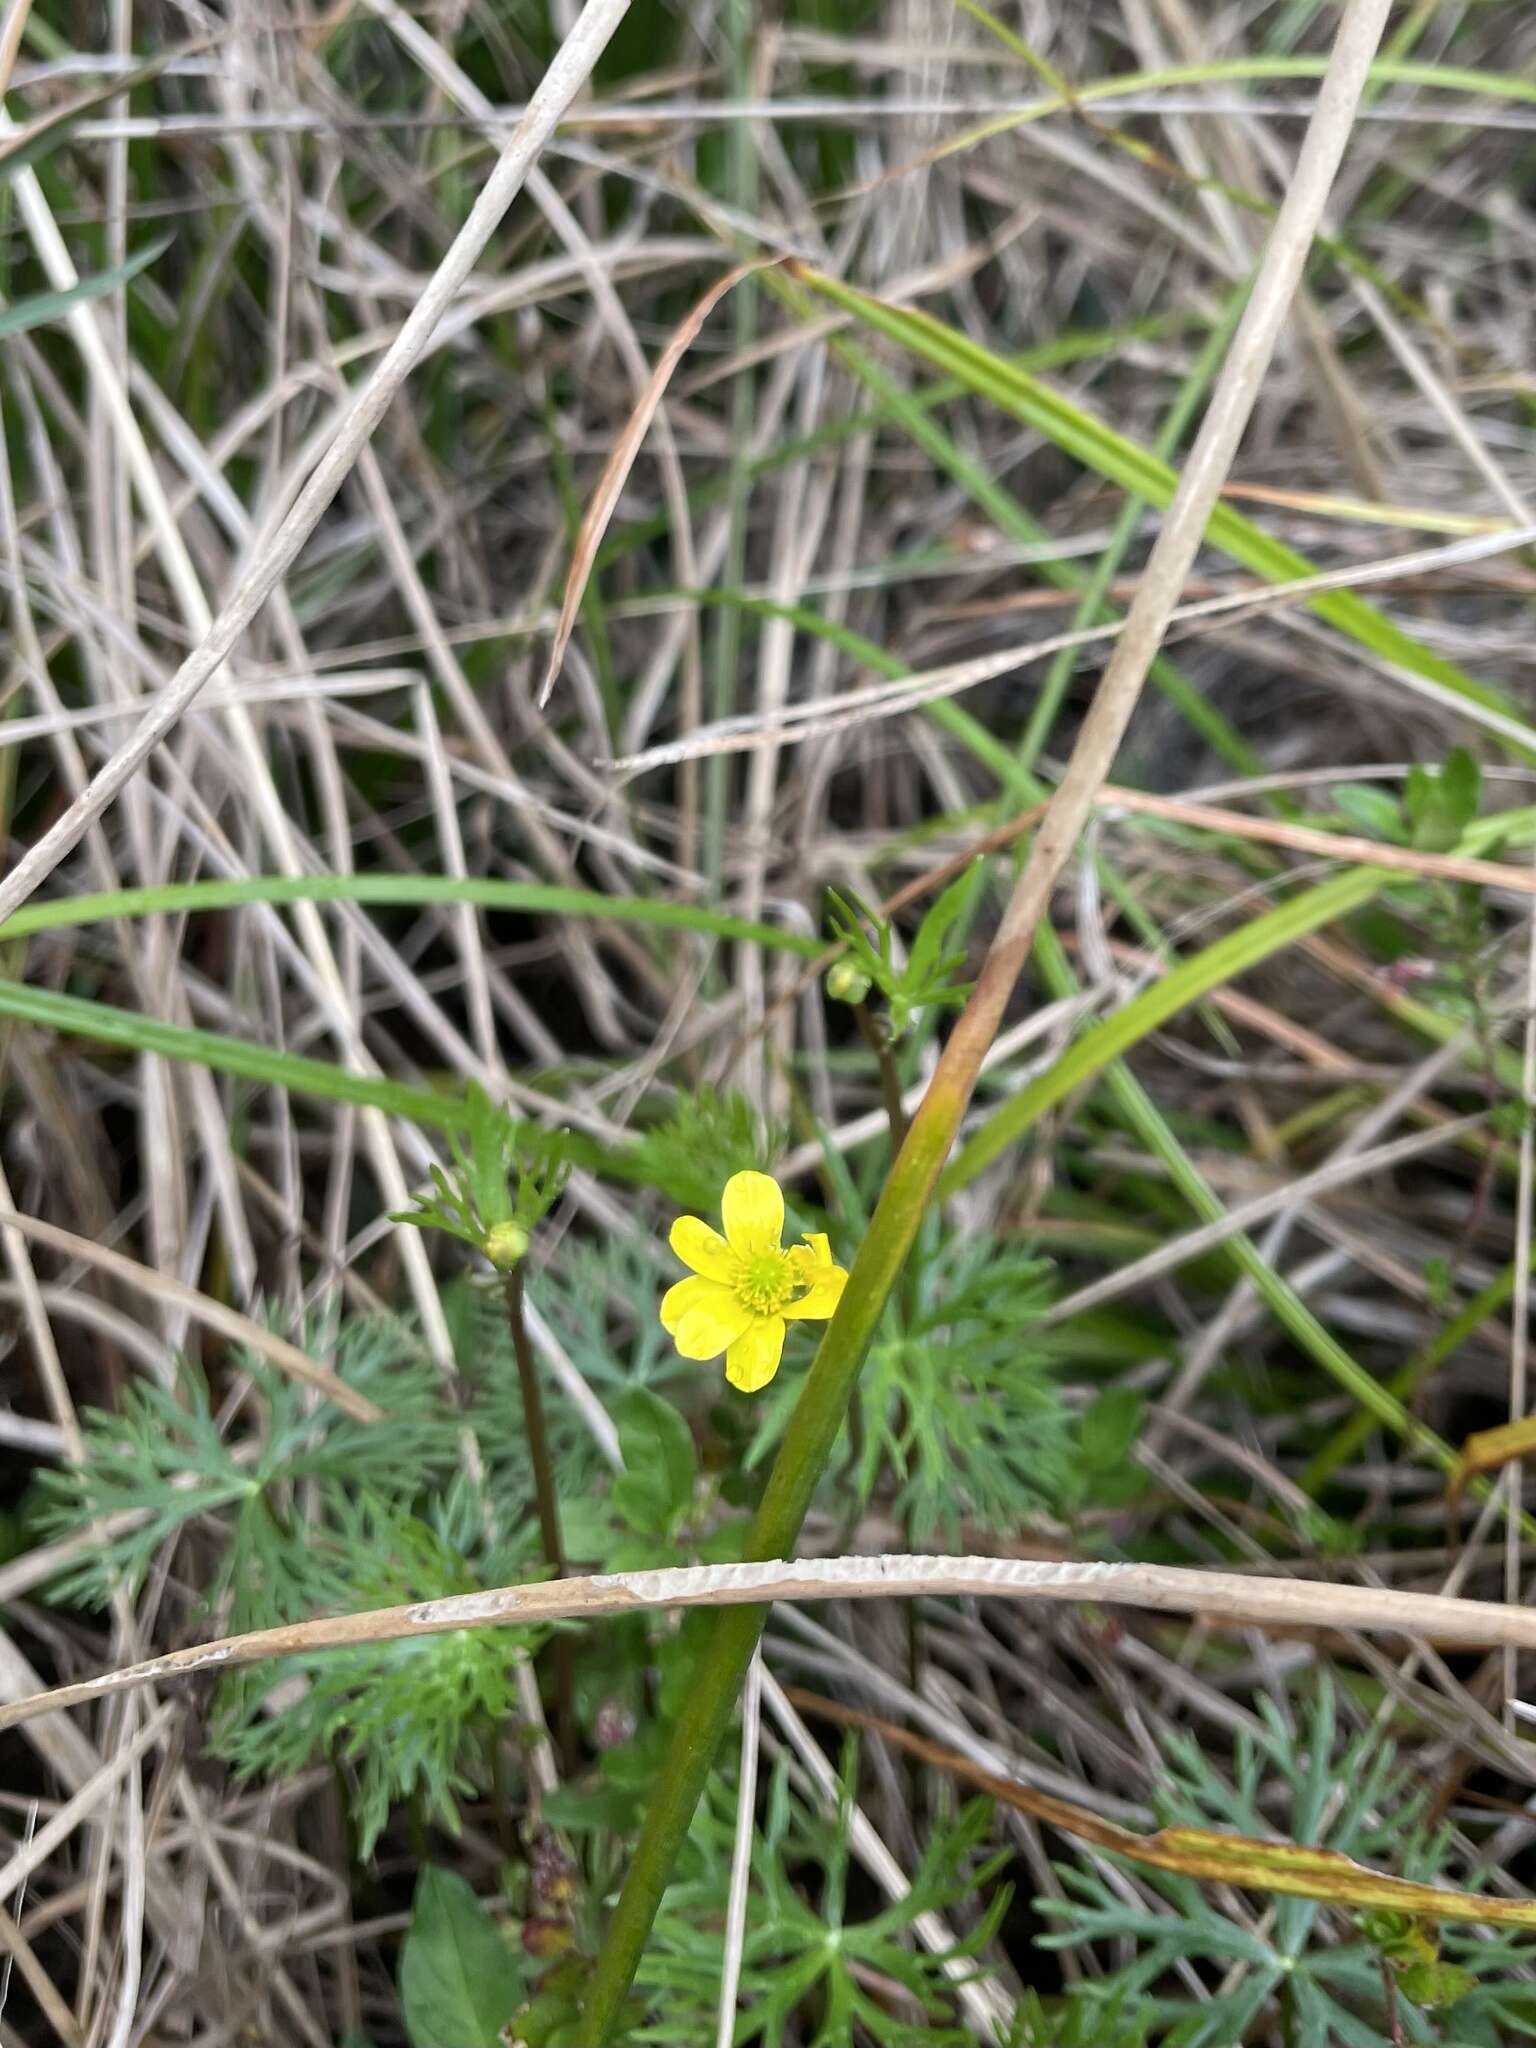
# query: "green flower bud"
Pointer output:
{"type": "Point", "coordinates": [505, 1244]}
{"type": "Point", "coordinates": [847, 982]}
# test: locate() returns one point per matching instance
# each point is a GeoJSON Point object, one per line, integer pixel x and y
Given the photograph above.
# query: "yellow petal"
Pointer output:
{"type": "Point", "coordinates": [821, 1247]}
{"type": "Point", "coordinates": [754, 1358]}
{"type": "Point", "coordinates": [753, 1212]}
{"type": "Point", "coordinates": [677, 1301]}
{"type": "Point", "coordinates": [702, 1249]}
{"type": "Point", "coordinates": [827, 1284]}
{"type": "Point", "coordinates": [711, 1320]}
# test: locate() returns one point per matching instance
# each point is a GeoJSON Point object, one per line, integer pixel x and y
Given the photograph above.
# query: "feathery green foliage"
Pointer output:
{"type": "Point", "coordinates": [404, 1721]}
{"type": "Point", "coordinates": [1475, 1988]}
{"type": "Point", "coordinates": [170, 1461]}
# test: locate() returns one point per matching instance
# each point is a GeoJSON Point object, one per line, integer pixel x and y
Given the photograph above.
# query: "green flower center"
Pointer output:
{"type": "Point", "coordinates": [765, 1282]}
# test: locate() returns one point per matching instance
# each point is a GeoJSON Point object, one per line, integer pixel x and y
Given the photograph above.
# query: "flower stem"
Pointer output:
{"type": "Point", "coordinates": [876, 1035]}
{"type": "Point", "coordinates": [803, 1455]}
{"type": "Point", "coordinates": [546, 1502]}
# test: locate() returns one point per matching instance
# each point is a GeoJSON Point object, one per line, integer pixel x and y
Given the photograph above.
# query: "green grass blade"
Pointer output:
{"type": "Point", "coordinates": [399, 891]}
{"type": "Point", "coordinates": [132, 1032]}
{"type": "Point", "coordinates": [999, 505]}
{"type": "Point", "coordinates": [1142, 1117]}
{"type": "Point", "coordinates": [1133, 468]}
{"type": "Point", "coordinates": [1091, 606]}
{"type": "Point", "coordinates": [1087, 1057]}
{"type": "Point", "coordinates": [1059, 353]}
{"type": "Point", "coordinates": [47, 306]}
{"type": "Point", "coordinates": [129, 1031]}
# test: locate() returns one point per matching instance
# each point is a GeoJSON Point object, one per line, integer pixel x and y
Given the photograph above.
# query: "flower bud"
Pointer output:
{"type": "Point", "coordinates": [613, 1725]}
{"type": "Point", "coordinates": [505, 1244]}
{"type": "Point", "coordinates": [551, 1873]}
{"type": "Point", "coordinates": [847, 982]}
{"type": "Point", "coordinates": [544, 1938]}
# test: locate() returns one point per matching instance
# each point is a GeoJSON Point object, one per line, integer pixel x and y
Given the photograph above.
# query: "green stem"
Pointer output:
{"type": "Point", "coordinates": [876, 1036]}
{"type": "Point", "coordinates": [546, 1502]}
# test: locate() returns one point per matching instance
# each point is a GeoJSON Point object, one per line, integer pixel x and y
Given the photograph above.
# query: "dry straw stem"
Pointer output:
{"type": "Point", "coordinates": [214, 1315]}
{"type": "Point", "coordinates": [1310, 839]}
{"type": "Point", "coordinates": [622, 460]}
{"type": "Point", "coordinates": [1294, 1869]}
{"type": "Point", "coordinates": [1335, 1173]}
{"type": "Point", "coordinates": [1371, 853]}
{"type": "Point", "coordinates": [567, 73]}
{"type": "Point", "coordinates": [892, 697]}
{"type": "Point", "coordinates": [1231, 1597]}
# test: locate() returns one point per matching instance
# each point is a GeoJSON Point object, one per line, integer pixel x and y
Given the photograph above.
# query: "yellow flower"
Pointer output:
{"type": "Point", "coordinates": [746, 1285]}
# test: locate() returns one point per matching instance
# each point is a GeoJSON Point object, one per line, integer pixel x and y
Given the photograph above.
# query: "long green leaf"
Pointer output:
{"type": "Point", "coordinates": [48, 306]}
{"type": "Point", "coordinates": [398, 890]}
{"type": "Point", "coordinates": [105, 1024]}
{"type": "Point", "coordinates": [998, 504]}
{"type": "Point", "coordinates": [1087, 1057]}
{"type": "Point", "coordinates": [131, 1032]}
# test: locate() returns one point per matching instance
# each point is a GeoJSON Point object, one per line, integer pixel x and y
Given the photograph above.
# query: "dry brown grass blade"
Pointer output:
{"type": "Point", "coordinates": [1342, 846]}
{"type": "Point", "coordinates": [1489, 1450]}
{"type": "Point", "coordinates": [1259, 1866]}
{"type": "Point", "coordinates": [10, 38]}
{"type": "Point", "coordinates": [214, 1315]}
{"type": "Point", "coordinates": [621, 461]}
{"type": "Point", "coordinates": [1371, 853]}
{"type": "Point", "coordinates": [568, 72]}
{"type": "Point", "coordinates": [1165, 1589]}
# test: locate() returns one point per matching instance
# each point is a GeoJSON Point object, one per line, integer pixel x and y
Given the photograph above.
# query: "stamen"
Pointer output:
{"type": "Point", "coordinates": [765, 1281]}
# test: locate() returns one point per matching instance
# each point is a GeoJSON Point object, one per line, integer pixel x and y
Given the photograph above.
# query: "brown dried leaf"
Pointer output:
{"type": "Point", "coordinates": [1197, 1852]}
{"type": "Point", "coordinates": [622, 460]}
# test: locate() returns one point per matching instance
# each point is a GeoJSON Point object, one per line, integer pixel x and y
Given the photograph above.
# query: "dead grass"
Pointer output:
{"type": "Point", "coordinates": [245, 638]}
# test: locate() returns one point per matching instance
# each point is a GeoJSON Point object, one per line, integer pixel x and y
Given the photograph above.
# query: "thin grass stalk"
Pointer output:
{"type": "Point", "coordinates": [818, 1416]}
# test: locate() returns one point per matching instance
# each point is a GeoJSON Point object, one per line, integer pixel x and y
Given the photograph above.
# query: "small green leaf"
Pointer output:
{"type": "Point", "coordinates": [1461, 789]}
{"type": "Point", "coordinates": [640, 1501]}
{"type": "Point", "coordinates": [1437, 1984]}
{"type": "Point", "coordinates": [48, 306]}
{"type": "Point", "coordinates": [460, 1980]}
{"type": "Point", "coordinates": [1439, 807]}
{"type": "Point", "coordinates": [1119, 1487]}
{"type": "Point", "coordinates": [931, 932]}
{"type": "Point", "coordinates": [1109, 1428]}
{"type": "Point", "coordinates": [488, 1161]}
{"type": "Point", "coordinates": [657, 1445]}
{"type": "Point", "coordinates": [1439, 1282]}
{"type": "Point", "coordinates": [1372, 812]}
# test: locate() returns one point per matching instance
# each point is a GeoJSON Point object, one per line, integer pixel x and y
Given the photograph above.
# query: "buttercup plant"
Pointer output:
{"type": "Point", "coordinates": [927, 980]}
